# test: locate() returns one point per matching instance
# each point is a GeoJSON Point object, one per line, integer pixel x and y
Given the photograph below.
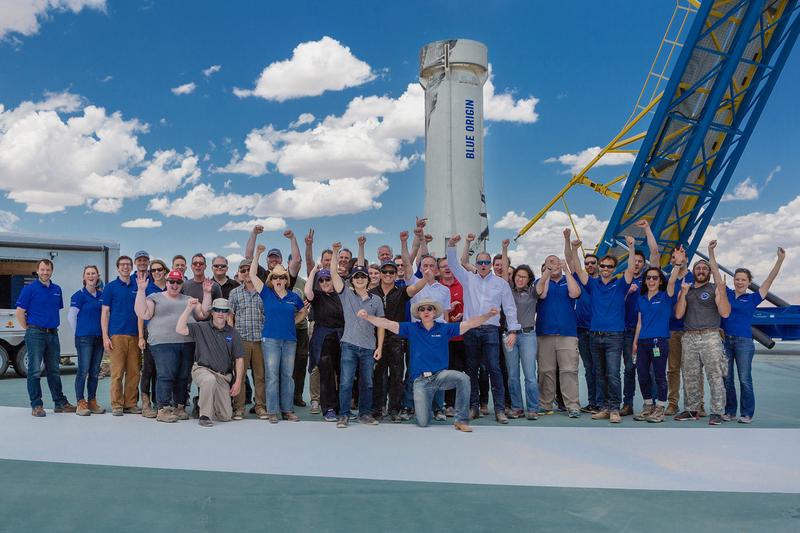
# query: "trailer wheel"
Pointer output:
{"type": "Point", "coordinates": [21, 362]}
{"type": "Point", "coordinates": [4, 360]}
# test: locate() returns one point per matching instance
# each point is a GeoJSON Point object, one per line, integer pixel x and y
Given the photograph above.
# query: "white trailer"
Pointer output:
{"type": "Point", "coordinates": [19, 256]}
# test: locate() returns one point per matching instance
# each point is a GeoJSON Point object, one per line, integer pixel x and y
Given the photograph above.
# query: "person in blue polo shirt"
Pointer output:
{"type": "Point", "coordinates": [84, 317]}
{"type": "Point", "coordinates": [282, 310]}
{"type": "Point", "coordinates": [428, 344]}
{"type": "Point", "coordinates": [38, 308]}
{"type": "Point", "coordinates": [608, 326]}
{"type": "Point", "coordinates": [739, 347]}
{"type": "Point", "coordinates": [120, 328]}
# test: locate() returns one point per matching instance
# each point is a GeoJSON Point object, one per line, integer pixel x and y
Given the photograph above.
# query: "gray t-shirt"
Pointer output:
{"type": "Point", "coordinates": [194, 289]}
{"type": "Point", "coordinates": [358, 331]}
{"type": "Point", "coordinates": [216, 348]}
{"type": "Point", "coordinates": [701, 308]}
{"type": "Point", "coordinates": [161, 328]}
{"type": "Point", "coordinates": [526, 305]}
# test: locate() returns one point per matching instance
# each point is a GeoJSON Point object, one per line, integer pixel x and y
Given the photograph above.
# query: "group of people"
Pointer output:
{"type": "Point", "coordinates": [411, 335]}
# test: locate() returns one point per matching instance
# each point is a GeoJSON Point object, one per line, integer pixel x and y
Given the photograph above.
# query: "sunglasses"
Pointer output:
{"type": "Point", "coordinates": [426, 308]}
{"type": "Point", "coordinates": [156, 270]}
{"type": "Point", "coordinates": [483, 262]}
{"type": "Point", "coordinates": [651, 277]}
{"type": "Point", "coordinates": [244, 270]}
{"type": "Point", "coordinates": [280, 278]}
{"type": "Point", "coordinates": [324, 280]}
{"type": "Point", "coordinates": [389, 272]}
{"type": "Point", "coordinates": [606, 266]}
{"type": "Point", "coordinates": [219, 266]}
{"type": "Point", "coordinates": [198, 263]}
{"type": "Point", "coordinates": [590, 262]}
{"type": "Point", "coordinates": [174, 282]}
{"type": "Point", "coordinates": [220, 310]}
{"type": "Point", "coordinates": [360, 276]}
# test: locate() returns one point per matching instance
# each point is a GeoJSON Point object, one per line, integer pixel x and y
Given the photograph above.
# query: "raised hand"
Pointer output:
{"type": "Point", "coordinates": [712, 244]}
{"type": "Point", "coordinates": [309, 238]}
{"type": "Point", "coordinates": [567, 232]}
{"type": "Point", "coordinates": [505, 243]}
{"type": "Point", "coordinates": [419, 232]}
{"type": "Point", "coordinates": [453, 240]}
{"type": "Point", "coordinates": [362, 240]}
{"type": "Point", "coordinates": [679, 255]}
{"type": "Point", "coordinates": [685, 286]}
{"type": "Point", "coordinates": [336, 247]}
{"type": "Point", "coordinates": [642, 223]}
{"type": "Point", "coordinates": [404, 236]}
{"type": "Point", "coordinates": [261, 249]}
{"type": "Point", "coordinates": [141, 281]}
{"type": "Point", "coordinates": [191, 303]}
{"type": "Point", "coordinates": [630, 241]}
{"type": "Point", "coordinates": [207, 285]}
{"type": "Point", "coordinates": [421, 222]}
{"type": "Point", "coordinates": [289, 234]}
{"type": "Point", "coordinates": [470, 237]}
{"type": "Point", "coordinates": [781, 253]}
{"type": "Point", "coordinates": [258, 229]}
{"type": "Point", "coordinates": [576, 243]}
{"type": "Point", "coordinates": [428, 237]}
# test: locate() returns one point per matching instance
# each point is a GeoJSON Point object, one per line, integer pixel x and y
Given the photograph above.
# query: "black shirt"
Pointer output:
{"type": "Point", "coordinates": [394, 303]}
{"type": "Point", "coordinates": [216, 348]}
{"type": "Point", "coordinates": [327, 309]}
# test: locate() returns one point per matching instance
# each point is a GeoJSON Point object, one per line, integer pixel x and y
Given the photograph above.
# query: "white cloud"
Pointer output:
{"type": "Point", "coordinates": [25, 16]}
{"type": "Point", "coordinates": [304, 118]}
{"type": "Point", "coordinates": [106, 205]}
{"type": "Point", "coordinates": [107, 79]}
{"type": "Point", "coordinates": [7, 220]}
{"type": "Point", "coordinates": [201, 201]}
{"type": "Point", "coordinates": [63, 152]}
{"type": "Point", "coordinates": [233, 261]}
{"type": "Point", "coordinates": [186, 88]}
{"type": "Point", "coordinates": [210, 255]}
{"type": "Point", "coordinates": [141, 223]}
{"type": "Point", "coordinates": [370, 230]}
{"type": "Point", "coordinates": [576, 162]}
{"type": "Point", "coordinates": [233, 245]}
{"type": "Point", "coordinates": [210, 71]}
{"type": "Point", "coordinates": [311, 199]}
{"type": "Point", "coordinates": [270, 224]}
{"type": "Point", "coordinates": [748, 189]}
{"type": "Point", "coordinates": [315, 67]}
{"type": "Point", "coordinates": [512, 220]}
{"type": "Point", "coordinates": [503, 107]}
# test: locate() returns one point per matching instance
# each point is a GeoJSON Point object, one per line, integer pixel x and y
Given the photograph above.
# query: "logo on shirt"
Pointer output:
{"type": "Point", "coordinates": [229, 339]}
{"type": "Point", "coordinates": [705, 296]}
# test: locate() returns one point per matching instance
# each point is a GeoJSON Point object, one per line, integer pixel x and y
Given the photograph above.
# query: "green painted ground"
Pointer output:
{"type": "Point", "coordinates": [57, 497]}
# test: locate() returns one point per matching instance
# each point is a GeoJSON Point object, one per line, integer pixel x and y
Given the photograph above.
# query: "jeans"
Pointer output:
{"type": "Point", "coordinates": [524, 351]}
{"type": "Point", "coordinates": [45, 347]}
{"type": "Point", "coordinates": [585, 349]}
{"type": "Point", "coordinates": [606, 356]}
{"type": "Point", "coordinates": [362, 358]}
{"type": "Point", "coordinates": [279, 366]}
{"type": "Point", "coordinates": [90, 355]}
{"type": "Point", "coordinates": [392, 360]}
{"type": "Point", "coordinates": [456, 362]}
{"type": "Point", "coordinates": [173, 363]}
{"type": "Point", "coordinates": [483, 346]}
{"type": "Point", "coordinates": [740, 350]}
{"type": "Point", "coordinates": [647, 365]}
{"type": "Point", "coordinates": [629, 377]}
{"type": "Point", "coordinates": [426, 388]}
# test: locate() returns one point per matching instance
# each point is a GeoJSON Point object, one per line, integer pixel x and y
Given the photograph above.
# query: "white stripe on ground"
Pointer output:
{"type": "Point", "coordinates": [642, 457]}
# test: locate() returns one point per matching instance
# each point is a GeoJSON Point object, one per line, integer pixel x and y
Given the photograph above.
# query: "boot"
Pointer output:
{"type": "Point", "coordinates": [95, 407]}
{"type": "Point", "coordinates": [165, 414]}
{"type": "Point", "coordinates": [83, 408]}
{"type": "Point", "coordinates": [646, 412]}
{"type": "Point", "coordinates": [180, 412]}
{"type": "Point", "coordinates": [147, 407]}
{"type": "Point", "coordinates": [657, 415]}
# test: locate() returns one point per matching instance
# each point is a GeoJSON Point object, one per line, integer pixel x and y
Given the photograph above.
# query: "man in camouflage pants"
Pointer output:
{"type": "Point", "coordinates": [702, 305]}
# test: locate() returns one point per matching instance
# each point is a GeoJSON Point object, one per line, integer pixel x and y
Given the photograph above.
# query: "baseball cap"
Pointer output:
{"type": "Point", "coordinates": [175, 275]}
{"type": "Point", "coordinates": [275, 251]}
{"type": "Point", "coordinates": [359, 269]}
{"type": "Point", "coordinates": [389, 263]}
{"type": "Point", "coordinates": [221, 303]}
{"type": "Point", "coordinates": [245, 263]}
{"type": "Point", "coordinates": [141, 253]}
{"type": "Point", "coordinates": [324, 273]}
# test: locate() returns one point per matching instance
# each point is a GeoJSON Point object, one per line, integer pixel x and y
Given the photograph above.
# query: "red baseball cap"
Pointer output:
{"type": "Point", "coordinates": [175, 275]}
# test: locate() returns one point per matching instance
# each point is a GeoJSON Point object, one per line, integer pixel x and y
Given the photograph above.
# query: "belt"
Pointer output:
{"type": "Point", "coordinates": [46, 330]}
{"type": "Point", "coordinates": [606, 333]}
{"type": "Point", "coordinates": [702, 330]}
{"type": "Point", "coordinates": [528, 330]}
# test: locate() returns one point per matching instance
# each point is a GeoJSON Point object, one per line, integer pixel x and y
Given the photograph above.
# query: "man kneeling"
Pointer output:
{"type": "Point", "coordinates": [218, 345]}
{"type": "Point", "coordinates": [428, 342]}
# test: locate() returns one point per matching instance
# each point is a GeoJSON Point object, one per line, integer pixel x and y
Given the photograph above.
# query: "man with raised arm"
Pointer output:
{"type": "Point", "coordinates": [703, 305]}
{"type": "Point", "coordinates": [484, 290]}
{"type": "Point", "coordinates": [608, 325]}
{"type": "Point", "coordinates": [274, 255]}
{"type": "Point", "coordinates": [428, 341]}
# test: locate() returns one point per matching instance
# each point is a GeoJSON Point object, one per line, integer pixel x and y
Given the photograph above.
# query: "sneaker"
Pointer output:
{"type": "Point", "coordinates": [544, 412]}
{"type": "Point", "coordinates": [368, 420]}
{"type": "Point", "coordinates": [96, 408]}
{"type": "Point", "coordinates": [38, 412]}
{"type": "Point", "coordinates": [574, 413]}
{"type": "Point", "coordinates": [484, 409]}
{"type": "Point", "coordinates": [66, 408]}
{"type": "Point", "coordinates": [330, 415]}
{"type": "Point", "coordinates": [260, 412]}
{"type": "Point", "coordinates": [405, 414]}
{"type": "Point", "coordinates": [745, 419]}
{"type": "Point", "coordinates": [449, 412]}
{"type": "Point", "coordinates": [394, 416]}
{"type": "Point", "coordinates": [657, 416]}
{"type": "Point", "coordinates": [646, 412]}
{"type": "Point", "coordinates": [315, 410]}
{"type": "Point", "coordinates": [353, 416]}
{"type": "Point", "coordinates": [516, 413]}
{"type": "Point", "coordinates": [474, 414]}
{"type": "Point", "coordinates": [601, 415]}
{"type": "Point", "coordinates": [238, 415]}
{"type": "Point", "coordinates": [135, 410]}
{"type": "Point", "coordinates": [501, 417]}
{"type": "Point", "coordinates": [714, 420]}
{"type": "Point", "coordinates": [273, 418]}
{"type": "Point", "coordinates": [290, 416]}
{"type": "Point", "coordinates": [83, 408]}
{"type": "Point", "coordinates": [343, 422]}
{"type": "Point", "coordinates": [116, 411]}
{"type": "Point", "coordinates": [462, 426]}
{"type": "Point", "coordinates": [181, 413]}
{"type": "Point", "coordinates": [614, 417]}
{"type": "Point", "coordinates": [588, 409]}
{"type": "Point", "coordinates": [298, 402]}
{"type": "Point", "coordinates": [532, 415]}
{"type": "Point", "coordinates": [671, 410]}
{"type": "Point", "coordinates": [205, 422]}
{"type": "Point", "coordinates": [727, 418]}
{"type": "Point", "coordinates": [166, 414]}
{"type": "Point", "coordinates": [683, 416]}
{"type": "Point", "coordinates": [627, 410]}
{"type": "Point", "coordinates": [439, 415]}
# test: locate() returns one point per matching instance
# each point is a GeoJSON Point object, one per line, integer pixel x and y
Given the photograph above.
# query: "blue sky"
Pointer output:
{"type": "Point", "coordinates": [567, 72]}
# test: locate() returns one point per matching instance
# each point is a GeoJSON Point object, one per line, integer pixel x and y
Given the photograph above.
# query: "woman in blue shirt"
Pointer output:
{"type": "Point", "coordinates": [282, 310]}
{"type": "Point", "coordinates": [739, 347]}
{"type": "Point", "coordinates": [651, 340]}
{"type": "Point", "coordinates": [84, 317]}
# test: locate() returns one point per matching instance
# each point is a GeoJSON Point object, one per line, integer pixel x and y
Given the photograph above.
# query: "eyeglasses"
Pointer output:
{"type": "Point", "coordinates": [175, 282]}
{"type": "Point", "coordinates": [219, 310]}
{"type": "Point", "coordinates": [219, 266]}
{"type": "Point", "coordinates": [483, 262]}
{"type": "Point", "coordinates": [198, 263]}
{"type": "Point", "coordinates": [426, 308]}
{"type": "Point", "coordinates": [157, 269]}
{"type": "Point", "coordinates": [389, 272]}
{"type": "Point", "coordinates": [606, 265]}
{"type": "Point", "coordinates": [360, 276]}
{"type": "Point", "coordinates": [324, 280]}
{"type": "Point", "coordinates": [651, 277]}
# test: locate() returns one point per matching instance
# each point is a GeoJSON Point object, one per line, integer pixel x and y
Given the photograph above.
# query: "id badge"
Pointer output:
{"type": "Point", "coordinates": [656, 351]}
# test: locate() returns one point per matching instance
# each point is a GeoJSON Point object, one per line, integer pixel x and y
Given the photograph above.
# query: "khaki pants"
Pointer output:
{"type": "Point", "coordinates": [674, 371]}
{"type": "Point", "coordinates": [254, 360]}
{"type": "Point", "coordinates": [313, 384]}
{"type": "Point", "coordinates": [125, 365]}
{"type": "Point", "coordinates": [215, 393]}
{"type": "Point", "coordinates": [561, 353]}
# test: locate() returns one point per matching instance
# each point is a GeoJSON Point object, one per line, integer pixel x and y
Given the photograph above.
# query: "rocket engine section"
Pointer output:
{"type": "Point", "coordinates": [453, 73]}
